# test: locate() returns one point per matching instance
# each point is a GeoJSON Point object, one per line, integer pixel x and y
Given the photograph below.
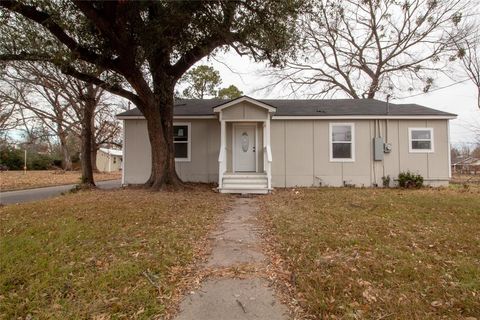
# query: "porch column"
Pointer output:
{"type": "Point", "coordinates": [268, 152]}
{"type": "Point", "coordinates": [222, 163]}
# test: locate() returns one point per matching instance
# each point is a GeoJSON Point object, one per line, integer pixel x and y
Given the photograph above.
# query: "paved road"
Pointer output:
{"type": "Point", "coordinates": [28, 195]}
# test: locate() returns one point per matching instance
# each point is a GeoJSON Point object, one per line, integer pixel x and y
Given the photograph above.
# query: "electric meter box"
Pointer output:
{"type": "Point", "coordinates": [378, 149]}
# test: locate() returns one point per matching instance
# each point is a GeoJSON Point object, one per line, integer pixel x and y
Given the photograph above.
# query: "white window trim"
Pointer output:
{"type": "Point", "coordinates": [411, 150]}
{"type": "Point", "coordinates": [352, 126]}
{"type": "Point", "coordinates": [189, 141]}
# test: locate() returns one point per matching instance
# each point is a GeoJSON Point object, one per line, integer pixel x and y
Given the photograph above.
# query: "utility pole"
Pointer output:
{"type": "Point", "coordinates": [25, 163]}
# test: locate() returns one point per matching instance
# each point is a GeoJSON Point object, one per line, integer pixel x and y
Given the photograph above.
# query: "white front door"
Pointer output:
{"type": "Point", "coordinates": [244, 140]}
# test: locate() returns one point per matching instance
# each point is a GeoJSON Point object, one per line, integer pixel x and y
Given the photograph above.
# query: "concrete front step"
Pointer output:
{"type": "Point", "coordinates": [244, 191]}
{"type": "Point", "coordinates": [245, 183]}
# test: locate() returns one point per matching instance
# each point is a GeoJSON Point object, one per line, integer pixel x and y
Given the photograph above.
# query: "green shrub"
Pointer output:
{"type": "Point", "coordinates": [12, 158]}
{"type": "Point", "coordinates": [39, 162]}
{"type": "Point", "coordinates": [410, 180]}
{"type": "Point", "coordinates": [386, 181]}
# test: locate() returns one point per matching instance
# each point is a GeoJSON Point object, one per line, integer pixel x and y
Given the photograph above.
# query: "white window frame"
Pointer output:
{"type": "Point", "coordinates": [352, 126]}
{"type": "Point", "coordinates": [410, 140]}
{"type": "Point", "coordinates": [189, 141]}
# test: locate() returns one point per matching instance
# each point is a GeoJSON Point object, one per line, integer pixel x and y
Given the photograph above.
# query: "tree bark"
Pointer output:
{"type": "Point", "coordinates": [93, 154]}
{"type": "Point", "coordinates": [94, 147]}
{"type": "Point", "coordinates": [88, 114]}
{"type": "Point", "coordinates": [67, 160]}
{"type": "Point", "coordinates": [159, 115]}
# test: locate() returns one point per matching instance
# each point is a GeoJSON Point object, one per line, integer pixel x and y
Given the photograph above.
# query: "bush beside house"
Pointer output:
{"type": "Point", "coordinates": [410, 180]}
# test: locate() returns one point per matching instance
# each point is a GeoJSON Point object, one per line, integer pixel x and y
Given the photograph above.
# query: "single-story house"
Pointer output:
{"type": "Point", "coordinates": [469, 165]}
{"type": "Point", "coordinates": [248, 145]}
{"type": "Point", "coordinates": [109, 160]}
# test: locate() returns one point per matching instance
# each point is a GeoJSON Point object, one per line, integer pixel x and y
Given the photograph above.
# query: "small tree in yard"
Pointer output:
{"type": "Point", "coordinates": [149, 45]}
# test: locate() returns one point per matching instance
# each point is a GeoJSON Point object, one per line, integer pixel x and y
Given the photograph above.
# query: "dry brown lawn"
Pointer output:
{"type": "Point", "coordinates": [16, 180]}
{"type": "Point", "coordinates": [469, 179]}
{"type": "Point", "coordinates": [380, 254]}
{"type": "Point", "coordinates": [102, 254]}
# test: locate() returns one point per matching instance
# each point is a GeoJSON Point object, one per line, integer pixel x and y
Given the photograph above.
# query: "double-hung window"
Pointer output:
{"type": "Point", "coordinates": [420, 139]}
{"type": "Point", "coordinates": [342, 142]}
{"type": "Point", "coordinates": [181, 141]}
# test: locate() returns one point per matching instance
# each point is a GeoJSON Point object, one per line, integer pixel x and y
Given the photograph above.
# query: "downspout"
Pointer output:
{"type": "Point", "coordinates": [386, 120]}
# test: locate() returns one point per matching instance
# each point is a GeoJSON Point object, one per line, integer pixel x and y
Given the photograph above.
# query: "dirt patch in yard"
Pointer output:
{"type": "Point", "coordinates": [102, 254]}
{"type": "Point", "coordinates": [379, 254]}
{"type": "Point", "coordinates": [16, 180]}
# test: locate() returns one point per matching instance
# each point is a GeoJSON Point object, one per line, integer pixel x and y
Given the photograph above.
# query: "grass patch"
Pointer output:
{"type": "Point", "coordinates": [373, 253]}
{"type": "Point", "coordinates": [17, 180]}
{"type": "Point", "coordinates": [95, 254]}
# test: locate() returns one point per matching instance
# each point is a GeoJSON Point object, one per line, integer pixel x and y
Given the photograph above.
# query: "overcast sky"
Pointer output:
{"type": "Point", "coordinates": [459, 99]}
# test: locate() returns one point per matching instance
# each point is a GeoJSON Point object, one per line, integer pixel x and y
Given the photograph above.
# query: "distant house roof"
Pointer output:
{"type": "Point", "coordinates": [306, 108]}
{"type": "Point", "coordinates": [113, 152]}
{"type": "Point", "coordinates": [468, 161]}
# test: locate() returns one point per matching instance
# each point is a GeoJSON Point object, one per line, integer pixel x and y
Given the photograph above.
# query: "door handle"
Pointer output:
{"type": "Point", "coordinates": [254, 149]}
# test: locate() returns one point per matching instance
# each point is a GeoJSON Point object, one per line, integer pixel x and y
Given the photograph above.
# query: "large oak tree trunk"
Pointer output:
{"type": "Point", "coordinates": [88, 114]}
{"type": "Point", "coordinates": [67, 159]}
{"type": "Point", "coordinates": [159, 115]}
{"type": "Point", "coordinates": [93, 154]}
{"type": "Point", "coordinates": [95, 147]}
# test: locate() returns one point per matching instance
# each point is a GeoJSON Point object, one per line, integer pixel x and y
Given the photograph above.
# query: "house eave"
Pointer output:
{"type": "Point", "coordinates": [174, 117]}
{"type": "Point", "coordinates": [345, 117]}
{"type": "Point", "coordinates": [369, 117]}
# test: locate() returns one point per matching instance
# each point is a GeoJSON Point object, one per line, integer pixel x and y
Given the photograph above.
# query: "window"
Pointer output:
{"type": "Point", "coordinates": [342, 137]}
{"type": "Point", "coordinates": [420, 139]}
{"type": "Point", "coordinates": [181, 141]}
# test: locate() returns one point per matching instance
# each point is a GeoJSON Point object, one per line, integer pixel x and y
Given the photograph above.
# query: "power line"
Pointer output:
{"type": "Point", "coordinates": [440, 88]}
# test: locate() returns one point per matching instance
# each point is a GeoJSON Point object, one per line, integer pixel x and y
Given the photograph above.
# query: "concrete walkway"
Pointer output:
{"type": "Point", "coordinates": [27, 195]}
{"type": "Point", "coordinates": [236, 244]}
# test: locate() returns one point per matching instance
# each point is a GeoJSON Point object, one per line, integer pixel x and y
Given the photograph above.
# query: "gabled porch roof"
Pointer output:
{"type": "Point", "coordinates": [236, 101]}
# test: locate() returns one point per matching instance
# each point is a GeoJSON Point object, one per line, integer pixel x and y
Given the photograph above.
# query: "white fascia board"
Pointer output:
{"type": "Point", "coordinates": [362, 117]}
{"type": "Point", "coordinates": [130, 117]}
{"type": "Point", "coordinates": [242, 99]}
{"type": "Point", "coordinates": [175, 117]}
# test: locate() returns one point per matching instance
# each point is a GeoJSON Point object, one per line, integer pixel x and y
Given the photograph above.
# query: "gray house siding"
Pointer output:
{"type": "Point", "coordinates": [203, 164]}
{"type": "Point", "coordinates": [301, 156]}
{"type": "Point", "coordinates": [300, 152]}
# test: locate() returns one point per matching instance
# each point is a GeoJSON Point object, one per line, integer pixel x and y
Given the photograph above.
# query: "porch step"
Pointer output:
{"type": "Point", "coordinates": [245, 183]}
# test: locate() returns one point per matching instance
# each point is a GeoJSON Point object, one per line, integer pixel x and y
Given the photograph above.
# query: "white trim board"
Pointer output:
{"type": "Point", "coordinates": [308, 118]}
{"type": "Point", "coordinates": [174, 118]}
{"type": "Point", "coordinates": [362, 117]}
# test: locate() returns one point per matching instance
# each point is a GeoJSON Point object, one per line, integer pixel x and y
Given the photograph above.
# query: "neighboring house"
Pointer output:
{"type": "Point", "coordinates": [469, 165]}
{"type": "Point", "coordinates": [248, 145]}
{"type": "Point", "coordinates": [109, 160]}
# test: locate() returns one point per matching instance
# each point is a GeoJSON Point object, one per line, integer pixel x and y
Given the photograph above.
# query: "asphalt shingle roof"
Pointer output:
{"type": "Point", "coordinates": [324, 107]}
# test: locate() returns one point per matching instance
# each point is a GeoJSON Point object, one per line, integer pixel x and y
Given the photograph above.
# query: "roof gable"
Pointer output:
{"type": "Point", "coordinates": [236, 101]}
